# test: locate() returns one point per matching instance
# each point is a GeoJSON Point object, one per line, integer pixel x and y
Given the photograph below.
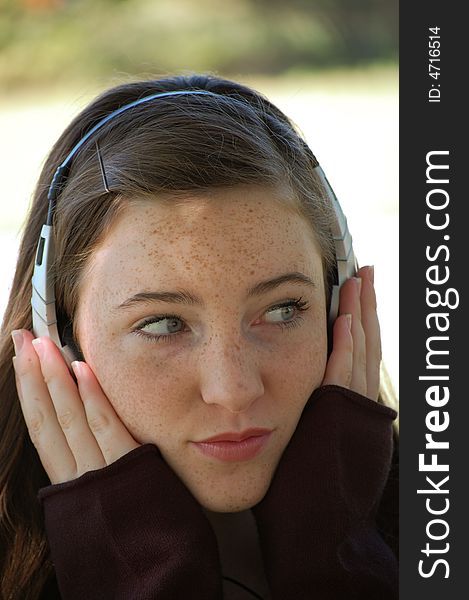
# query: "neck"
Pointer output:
{"type": "Point", "coordinates": [239, 548]}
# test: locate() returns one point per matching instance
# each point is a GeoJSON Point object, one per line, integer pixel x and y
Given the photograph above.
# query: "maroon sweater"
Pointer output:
{"type": "Point", "coordinates": [133, 531]}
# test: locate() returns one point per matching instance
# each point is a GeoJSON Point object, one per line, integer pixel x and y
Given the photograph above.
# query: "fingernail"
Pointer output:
{"type": "Point", "coordinates": [358, 281]}
{"type": "Point", "coordinates": [17, 338]}
{"type": "Point", "coordinates": [349, 321]}
{"type": "Point", "coordinates": [76, 366]}
{"type": "Point", "coordinates": [38, 347]}
{"type": "Point", "coordinates": [371, 272]}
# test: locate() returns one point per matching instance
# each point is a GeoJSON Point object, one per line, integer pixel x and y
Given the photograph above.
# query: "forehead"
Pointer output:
{"type": "Point", "coordinates": [226, 234]}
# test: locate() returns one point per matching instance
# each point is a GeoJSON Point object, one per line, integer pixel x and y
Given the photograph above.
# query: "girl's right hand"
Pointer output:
{"type": "Point", "coordinates": [74, 429]}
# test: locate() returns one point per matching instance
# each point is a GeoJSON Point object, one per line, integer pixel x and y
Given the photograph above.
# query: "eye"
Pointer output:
{"type": "Point", "coordinates": [287, 314]}
{"type": "Point", "coordinates": [281, 314]}
{"type": "Point", "coordinates": [160, 327]}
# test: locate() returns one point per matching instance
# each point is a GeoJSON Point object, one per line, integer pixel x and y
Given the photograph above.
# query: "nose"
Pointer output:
{"type": "Point", "coordinates": [229, 374]}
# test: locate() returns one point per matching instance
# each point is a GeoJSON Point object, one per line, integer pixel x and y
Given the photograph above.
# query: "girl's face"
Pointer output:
{"type": "Point", "coordinates": [206, 317]}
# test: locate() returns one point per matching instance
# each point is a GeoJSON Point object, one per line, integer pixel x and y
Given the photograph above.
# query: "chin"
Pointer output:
{"type": "Point", "coordinates": [228, 487]}
{"type": "Point", "coordinates": [231, 501]}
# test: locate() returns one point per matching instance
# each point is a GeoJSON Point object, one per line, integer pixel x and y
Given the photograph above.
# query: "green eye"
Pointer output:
{"type": "Point", "coordinates": [287, 312]}
{"type": "Point", "coordinates": [281, 314]}
{"type": "Point", "coordinates": [162, 326]}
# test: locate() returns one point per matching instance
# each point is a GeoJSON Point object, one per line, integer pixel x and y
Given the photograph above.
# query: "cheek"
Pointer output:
{"type": "Point", "coordinates": [308, 368]}
{"type": "Point", "coordinates": [299, 360]}
{"type": "Point", "coordinates": [294, 378]}
{"type": "Point", "coordinates": [149, 395]}
{"type": "Point", "coordinates": [147, 391]}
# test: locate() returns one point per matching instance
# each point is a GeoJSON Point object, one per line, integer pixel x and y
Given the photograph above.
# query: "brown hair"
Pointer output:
{"type": "Point", "coordinates": [175, 145]}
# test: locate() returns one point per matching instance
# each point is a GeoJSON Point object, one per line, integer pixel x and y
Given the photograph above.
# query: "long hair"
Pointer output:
{"type": "Point", "coordinates": [169, 147]}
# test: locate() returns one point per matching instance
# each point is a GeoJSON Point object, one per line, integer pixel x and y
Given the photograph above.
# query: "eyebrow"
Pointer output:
{"type": "Point", "coordinates": [185, 297]}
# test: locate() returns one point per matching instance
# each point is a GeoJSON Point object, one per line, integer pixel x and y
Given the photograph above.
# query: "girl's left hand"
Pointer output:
{"type": "Point", "coordinates": [355, 359]}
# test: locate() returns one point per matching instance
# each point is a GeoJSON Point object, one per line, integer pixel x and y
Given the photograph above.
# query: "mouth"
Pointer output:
{"type": "Point", "coordinates": [235, 446]}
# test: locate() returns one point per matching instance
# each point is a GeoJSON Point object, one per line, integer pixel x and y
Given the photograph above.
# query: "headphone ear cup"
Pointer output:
{"type": "Point", "coordinates": [346, 263]}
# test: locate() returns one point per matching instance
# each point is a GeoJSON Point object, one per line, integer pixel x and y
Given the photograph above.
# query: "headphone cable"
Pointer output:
{"type": "Point", "coordinates": [245, 587]}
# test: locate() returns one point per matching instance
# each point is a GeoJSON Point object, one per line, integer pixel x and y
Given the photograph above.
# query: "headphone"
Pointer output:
{"type": "Point", "coordinates": [44, 312]}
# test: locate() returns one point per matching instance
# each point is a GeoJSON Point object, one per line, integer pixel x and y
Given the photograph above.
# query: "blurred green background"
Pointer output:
{"type": "Point", "coordinates": [50, 42]}
{"type": "Point", "coordinates": [331, 65]}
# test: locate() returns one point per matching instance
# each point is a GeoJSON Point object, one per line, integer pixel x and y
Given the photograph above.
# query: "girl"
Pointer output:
{"type": "Point", "coordinates": [213, 439]}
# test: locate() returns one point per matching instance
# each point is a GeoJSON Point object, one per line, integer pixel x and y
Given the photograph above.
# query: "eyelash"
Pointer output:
{"type": "Point", "coordinates": [299, 304]}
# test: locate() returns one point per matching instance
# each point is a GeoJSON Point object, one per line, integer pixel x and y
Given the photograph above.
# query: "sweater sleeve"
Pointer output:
{"type": "Point", "coordinates": [130, 531]}
{"type": "Point", "coordinates": [317, 521]}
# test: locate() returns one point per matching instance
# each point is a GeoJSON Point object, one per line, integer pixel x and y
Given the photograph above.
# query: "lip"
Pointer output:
{"type": "Point", "coordinates": [237, 436]}
{"type": "Point", "coordinates": [235, 446]}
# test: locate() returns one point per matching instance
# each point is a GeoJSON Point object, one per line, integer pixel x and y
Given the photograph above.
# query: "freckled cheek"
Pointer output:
{"type": "Point", "coordinates": [148, 393]}
{"type": "Point", "coordinates": [315, 360]}
{"type": "Point", "coordinates": [300, 365]}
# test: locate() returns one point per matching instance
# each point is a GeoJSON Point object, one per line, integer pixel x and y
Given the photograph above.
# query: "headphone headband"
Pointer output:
{"type": "Point", "coordinates": [62, 171]}
{"type": "Point", "coordinates": [44, 314]}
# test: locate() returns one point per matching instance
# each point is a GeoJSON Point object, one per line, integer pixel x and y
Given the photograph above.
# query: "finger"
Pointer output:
{"type": "Point", "coordinates": [111, 434]}
{"type": "Point", "coordinates": [17, 382]}
{"type": "Point", "coordinates": [340, 364]}
{"type": "Point", "coordinates": [350, 303]}
{"type": "Point", "coordinates": [68, 407]}
{"type": "Point", "coordinates": [39, 413]}
{"type": "Point", "coordinates": [371, 328]}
